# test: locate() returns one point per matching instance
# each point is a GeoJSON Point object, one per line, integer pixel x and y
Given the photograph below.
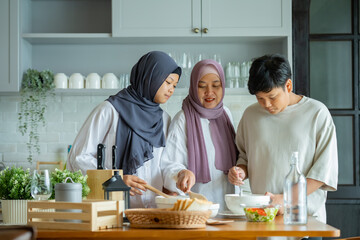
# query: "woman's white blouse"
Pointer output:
{"type": "Point", "coordinates": [100, 127]}
{"type": "Point", "coordinates": [175, 159]}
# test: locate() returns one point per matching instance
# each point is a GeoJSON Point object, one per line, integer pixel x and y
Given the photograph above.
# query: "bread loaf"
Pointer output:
{"type": "Point", "coordinates": [191, 205]}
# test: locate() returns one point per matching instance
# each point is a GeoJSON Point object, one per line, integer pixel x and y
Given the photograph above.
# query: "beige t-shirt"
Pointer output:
{"type": "Point", "coordinates": [266, 141]}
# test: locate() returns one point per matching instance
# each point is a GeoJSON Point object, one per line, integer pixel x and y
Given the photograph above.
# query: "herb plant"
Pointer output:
{"type": "Point", "coordinates": [15, 184]}
{"type": "Point", "coordinates": [59, 176]}
{"type": "Point", "coordinates": [36, 87]}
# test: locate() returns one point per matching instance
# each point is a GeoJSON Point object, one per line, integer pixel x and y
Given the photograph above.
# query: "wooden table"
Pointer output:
{"type": "Point", "coordinates": [240, 229]}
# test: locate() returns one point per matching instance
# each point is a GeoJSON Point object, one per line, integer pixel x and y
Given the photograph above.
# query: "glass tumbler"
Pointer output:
{"type": "Point", "coordinates": [41, 185]}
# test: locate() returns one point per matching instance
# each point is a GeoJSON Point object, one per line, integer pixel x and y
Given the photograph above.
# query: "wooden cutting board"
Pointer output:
{"type": "Point", "coordinates": [95, 180]}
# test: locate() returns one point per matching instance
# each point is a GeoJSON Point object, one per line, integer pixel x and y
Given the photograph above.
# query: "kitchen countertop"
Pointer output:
{"type": "Point", "coordinates": [239, 229]}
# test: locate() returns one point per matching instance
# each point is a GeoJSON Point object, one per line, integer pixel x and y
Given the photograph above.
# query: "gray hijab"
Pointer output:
{"type": "Point", "coordinates": [140, 125]}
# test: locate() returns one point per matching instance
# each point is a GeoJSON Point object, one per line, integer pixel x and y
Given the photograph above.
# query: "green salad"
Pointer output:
{"type": "Point", "coordinates": [266, 214]}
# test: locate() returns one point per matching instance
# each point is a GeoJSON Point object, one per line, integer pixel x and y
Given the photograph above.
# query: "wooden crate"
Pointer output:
{"type": "Point", "coordinates": [94, 215]}
{"type": "Point", "coordinates": [95, 180]}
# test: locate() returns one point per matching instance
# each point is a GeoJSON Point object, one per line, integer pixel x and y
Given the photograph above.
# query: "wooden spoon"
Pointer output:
{"type": "Point", "coordinates": [151, 188]}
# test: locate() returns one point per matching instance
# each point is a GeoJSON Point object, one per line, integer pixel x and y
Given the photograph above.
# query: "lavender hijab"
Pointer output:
{"type": "Point", "coordinates": [140, 125]}
{"type": "Point", "coordinates": [221, 129]}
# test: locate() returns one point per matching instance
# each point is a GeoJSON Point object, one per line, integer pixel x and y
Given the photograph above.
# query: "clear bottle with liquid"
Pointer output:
{"type": "Point", "coordinates": [295, 199]}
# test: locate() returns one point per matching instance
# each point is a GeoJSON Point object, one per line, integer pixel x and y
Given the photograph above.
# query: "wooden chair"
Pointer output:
{"type": "Point", "coordinates": [350, 238]}
{"type": "Point", "coordinates": [12, 232]}
{"type": "Point", "coordinates": [60, 163]}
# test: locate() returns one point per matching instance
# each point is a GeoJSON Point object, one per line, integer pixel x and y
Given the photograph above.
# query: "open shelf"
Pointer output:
{"type": "Point", "coordinates": [108, 92]}
{"type": "Point", "coordinates": [65, 16]}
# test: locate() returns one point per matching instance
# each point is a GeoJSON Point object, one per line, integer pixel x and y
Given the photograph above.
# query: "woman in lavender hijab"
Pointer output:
{"type": "Point", "coordinates": [133, 121]}
{"type": "Point", "coordinates": [200, 148]}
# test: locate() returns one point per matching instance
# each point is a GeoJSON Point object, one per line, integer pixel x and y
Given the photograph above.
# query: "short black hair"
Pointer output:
{"type": "Point", "coordinates": [268, 72]}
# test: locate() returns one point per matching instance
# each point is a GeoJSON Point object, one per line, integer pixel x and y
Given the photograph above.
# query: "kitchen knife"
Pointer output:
{"type": "Point", "coordinates": [114, 157]}
{"type": "Point", "coordinates": [100, 156]}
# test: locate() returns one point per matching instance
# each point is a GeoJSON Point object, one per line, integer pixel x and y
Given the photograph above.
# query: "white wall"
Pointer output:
{"type": "Point", "coordinates": [65, 115]}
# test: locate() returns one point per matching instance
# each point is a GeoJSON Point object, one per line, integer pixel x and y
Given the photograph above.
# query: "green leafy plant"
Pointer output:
{"type": "Point", "coordinates": [59, 176]}
{"type": "Point", "coordinates": [15, 184]}
{"type": "Point", "coordinates": [36, 87]}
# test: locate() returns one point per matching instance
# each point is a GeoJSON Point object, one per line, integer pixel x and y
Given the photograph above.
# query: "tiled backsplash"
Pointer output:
{"type": "Point", "coordinates": [65, 115]}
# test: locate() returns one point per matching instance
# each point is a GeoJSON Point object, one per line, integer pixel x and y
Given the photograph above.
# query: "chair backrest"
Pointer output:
{"type": "Point", "coordinates": [60, 163]}
{"type": "Point", "coordinates": [350, 238]}
{"type": "Point", "coordinates": [18, 232]}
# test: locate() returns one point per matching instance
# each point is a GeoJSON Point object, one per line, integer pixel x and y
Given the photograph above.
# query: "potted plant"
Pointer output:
{"type": "Point", "coordinates": [36, 87]}
{"type": "Point", "coordinates": [59, 176]}
{"type": "Point", "coordinates": [15, 191]}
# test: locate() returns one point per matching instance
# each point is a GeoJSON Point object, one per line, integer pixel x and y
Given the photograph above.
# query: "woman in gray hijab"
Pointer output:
{"type": "Point", "coordinates": [134, 122]}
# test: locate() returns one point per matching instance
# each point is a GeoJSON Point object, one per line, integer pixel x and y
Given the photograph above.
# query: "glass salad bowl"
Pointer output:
{"type": "Point", "coordinates": [265, 213]}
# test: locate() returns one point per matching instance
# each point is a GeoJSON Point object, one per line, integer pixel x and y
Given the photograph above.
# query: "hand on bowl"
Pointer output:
{"type": "Point", "coordinates": [277, 199]}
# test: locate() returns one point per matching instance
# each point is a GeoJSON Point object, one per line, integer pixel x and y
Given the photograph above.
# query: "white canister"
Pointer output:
{"type": "Point", "coordinates": [68, 192]}
{"type": "Point", "coordinates": [76, 80]}
{"type": "Point", "coordinates": [61, 80]}
{"type": "Point", "coordinates": [93, 81]}
{"type": "Point", "coordinates": [109, 81]}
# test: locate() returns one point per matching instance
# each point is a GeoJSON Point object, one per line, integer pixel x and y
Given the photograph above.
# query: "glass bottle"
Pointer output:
{"type": "Point", "coordinates": [295, 209]}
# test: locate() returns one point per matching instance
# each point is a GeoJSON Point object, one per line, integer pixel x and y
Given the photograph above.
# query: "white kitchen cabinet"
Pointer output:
{"type": "Point", "coordinates": [201, 18]}
{"type": "Point", "coordinates": [9, 42]}
{"type": "Point", "coordinates": [110, 35]}
{"type": "Point", "coordinates": [229, 18]}
{"type": "Point", "coordinates": [156, 18]}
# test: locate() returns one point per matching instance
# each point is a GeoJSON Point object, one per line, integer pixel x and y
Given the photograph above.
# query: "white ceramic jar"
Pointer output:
{"type": "Point", "coordinates": [76, 80]}
{"type": "Point", "coordinates": [61, 80]}
{"type": "Point", "coordinates": [109, 81]}
{"type": "Point", "coordinates": [93, 81]}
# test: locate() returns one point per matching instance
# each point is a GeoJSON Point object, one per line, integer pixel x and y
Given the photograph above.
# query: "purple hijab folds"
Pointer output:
{"type": "Point", "coordinates": [140, 125]}
{"type": "Point", "coordinates": [221, 129]}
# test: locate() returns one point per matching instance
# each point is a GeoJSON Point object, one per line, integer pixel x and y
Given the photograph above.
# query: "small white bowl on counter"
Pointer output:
{"type": "Point", "coordinates": [235, 202]}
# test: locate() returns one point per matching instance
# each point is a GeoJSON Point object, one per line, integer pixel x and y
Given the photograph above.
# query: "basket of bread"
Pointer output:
{"type": "Point", "coordinates": [186, 213]}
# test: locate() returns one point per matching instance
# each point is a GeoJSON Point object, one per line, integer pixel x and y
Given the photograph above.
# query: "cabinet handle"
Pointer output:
{"type": "Point", "coordinates": [205, 30]}
{"type": "Point", "coordinates": [196, 30]}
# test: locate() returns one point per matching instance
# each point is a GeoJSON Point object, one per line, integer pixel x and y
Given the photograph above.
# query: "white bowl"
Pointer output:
{"type": "Point", "coordinates": [214, 209]}
{"type": "Point", "coordinates": [162, 202]}
{"type": "Point", "coordinates": [234, 201]}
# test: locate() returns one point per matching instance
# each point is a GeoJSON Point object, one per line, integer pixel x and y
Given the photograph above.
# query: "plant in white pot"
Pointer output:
{"type": "Point", "coordinates": [15, 191]}
{"type": "Point", "coordinates": [35, 88]}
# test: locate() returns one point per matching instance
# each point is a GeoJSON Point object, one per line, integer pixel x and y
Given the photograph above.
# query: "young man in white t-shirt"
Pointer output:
{"type": "Point", "coordinates": [279, 123]}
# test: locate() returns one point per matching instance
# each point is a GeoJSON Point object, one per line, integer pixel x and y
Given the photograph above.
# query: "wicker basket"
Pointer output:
{"type": "Point", "coordinates": [165, 218]}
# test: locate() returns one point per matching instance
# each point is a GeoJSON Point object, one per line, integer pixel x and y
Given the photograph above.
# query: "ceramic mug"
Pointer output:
{"type": "Point", "coordinates": [109, 81]}
{"type": "Point", "coordinates": [76, 80]}
{"type": "Point", "coordinates": [61, 80]}
{"type": "Point", "coordinates": [93, 81]}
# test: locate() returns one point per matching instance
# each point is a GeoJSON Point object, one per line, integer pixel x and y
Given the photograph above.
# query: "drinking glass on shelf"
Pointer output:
{"type": "Point", "coordinates": [126, 80]}
{"type": "Point", "coordinates": [217, 58]}
{"type": "Point", "coordinates": [40, 185]}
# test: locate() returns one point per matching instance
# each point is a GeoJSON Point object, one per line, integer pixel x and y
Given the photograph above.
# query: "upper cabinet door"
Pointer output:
{"type": "Point", "coordinates": [246, 18]}
{"type": "Point", "coordinates": [9, 41]}
{"type": "Point", "coordinates": [195, 18]}
{"type": "Point", "coordinates": [159, 18]}
{"type": "Point", "coordinates": [4, 44]}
